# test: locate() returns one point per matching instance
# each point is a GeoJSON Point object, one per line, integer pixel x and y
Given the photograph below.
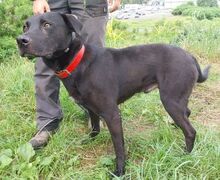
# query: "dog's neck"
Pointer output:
{"type": "Point", "coordinates": [60, 62]}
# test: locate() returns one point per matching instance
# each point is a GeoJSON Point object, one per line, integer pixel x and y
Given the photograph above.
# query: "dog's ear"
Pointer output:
{"type": "Point", "coordinates": [72, 22]}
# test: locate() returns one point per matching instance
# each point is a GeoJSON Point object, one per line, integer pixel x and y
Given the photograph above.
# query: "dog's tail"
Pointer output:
{"type": "Point", "coordinates": [203, 75]}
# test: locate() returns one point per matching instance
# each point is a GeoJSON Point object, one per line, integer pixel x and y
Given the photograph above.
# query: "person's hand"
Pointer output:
{"type": "Point", "coordinates": [40, 7]}
{"type": "Point", "coordinates": [115, 6]}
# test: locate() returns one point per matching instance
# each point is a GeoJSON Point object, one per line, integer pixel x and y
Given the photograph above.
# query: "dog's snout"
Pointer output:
{"type": "Point", "coordinates": [23, 40]}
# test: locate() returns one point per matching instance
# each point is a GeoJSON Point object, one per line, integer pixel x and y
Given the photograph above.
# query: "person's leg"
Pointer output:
{"type": "Point", "coordinates": [77, 8]}
{"type": "Point", "coordinates": [47, 85]}
{"type": "Point", "coordinates": [93, 30]}
{"type": "Point", "coordinates": [93, 18]}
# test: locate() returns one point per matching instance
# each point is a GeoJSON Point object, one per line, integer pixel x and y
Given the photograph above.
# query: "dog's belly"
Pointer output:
{"type": "Point", "coordinates": [127, 92]}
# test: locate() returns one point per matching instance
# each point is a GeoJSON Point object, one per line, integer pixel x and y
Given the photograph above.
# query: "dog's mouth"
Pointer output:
{"type": "Point", "coordinates": [30, 54]}
{"type": "Point", "coordinates": [28, 50]}
{"type": "Point", "coordinates": [32, 50]}
{"type": "Point", "coordinates": [22, 52]}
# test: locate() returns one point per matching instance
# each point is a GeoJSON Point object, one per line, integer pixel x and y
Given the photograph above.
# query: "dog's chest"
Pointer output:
{"type": "Point", "coordinates": [73, 91]}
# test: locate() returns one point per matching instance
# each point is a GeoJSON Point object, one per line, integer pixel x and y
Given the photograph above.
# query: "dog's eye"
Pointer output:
{"type": "Point", "coordinates": [47, 25]}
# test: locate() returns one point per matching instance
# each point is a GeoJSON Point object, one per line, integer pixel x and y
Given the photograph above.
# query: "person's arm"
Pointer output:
{"type": "Point", "coordinates": [115, 6]}
{"type": "Point", "coordinates": [40, 7]}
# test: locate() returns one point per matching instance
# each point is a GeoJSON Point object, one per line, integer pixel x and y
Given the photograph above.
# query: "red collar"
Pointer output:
{"type": "Point", "coordinates": [73, 65]}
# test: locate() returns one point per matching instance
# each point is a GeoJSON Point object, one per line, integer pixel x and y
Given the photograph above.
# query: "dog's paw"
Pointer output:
{"type": "Point", "coordinates": [93, 134]}
{"type": "Point", "coordinates": [118, 173]}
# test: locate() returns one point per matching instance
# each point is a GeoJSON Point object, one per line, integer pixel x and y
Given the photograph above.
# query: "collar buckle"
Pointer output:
{"type": "Point", "coordinates": [65, 70]}
{"type": "Point", "coordinates": [73, 65]}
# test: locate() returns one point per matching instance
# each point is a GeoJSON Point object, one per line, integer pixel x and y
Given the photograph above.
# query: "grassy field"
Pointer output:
{"type": "Point", "coordinates": [154, 148]}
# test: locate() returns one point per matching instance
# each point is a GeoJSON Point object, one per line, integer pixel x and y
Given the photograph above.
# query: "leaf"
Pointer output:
{"type": "Point", "coordinates": [5, 157]}
{"type": "Point", "coordinates": [47, 161]}
{"type": "Point", "coordinates": [7, 152]}
{"type": "Point", "coordinates": [5, 160]}
{"type": "Point", "coordinates": [26, 152]}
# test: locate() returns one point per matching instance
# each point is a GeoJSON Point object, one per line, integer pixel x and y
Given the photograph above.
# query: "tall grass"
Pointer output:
{"type": "Point", "coordinates": [200, 37]}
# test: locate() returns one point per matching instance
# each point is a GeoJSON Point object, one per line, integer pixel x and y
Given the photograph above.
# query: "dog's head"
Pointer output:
{"type": "Point", "coordinates": [47, 34]}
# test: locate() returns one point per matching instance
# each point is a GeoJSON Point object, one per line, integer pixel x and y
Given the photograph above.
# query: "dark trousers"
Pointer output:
{"type": "Point", "coordinates": [47, 85]}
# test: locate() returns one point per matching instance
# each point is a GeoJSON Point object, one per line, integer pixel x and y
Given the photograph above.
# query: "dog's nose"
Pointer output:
{"type": "Point", "coordinates": [23, 40]}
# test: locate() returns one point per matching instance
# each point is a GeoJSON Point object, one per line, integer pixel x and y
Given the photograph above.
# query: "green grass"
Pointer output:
{"type": "Point", "coordinates": [200, 37]}
{"type": "Point", "coordinates": [197, 12]}
{"type": "Point", "coordinates": [154, 148]}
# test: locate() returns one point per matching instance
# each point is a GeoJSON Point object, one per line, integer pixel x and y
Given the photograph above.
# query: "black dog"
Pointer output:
{"type": "Point", "coordinates": [101, 78]}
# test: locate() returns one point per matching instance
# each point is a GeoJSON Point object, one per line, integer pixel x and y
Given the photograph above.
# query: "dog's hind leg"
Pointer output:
{"type": "Point", "coordinates": [177, 109]}
{"type": "Point", "coordinates": [188, 112]}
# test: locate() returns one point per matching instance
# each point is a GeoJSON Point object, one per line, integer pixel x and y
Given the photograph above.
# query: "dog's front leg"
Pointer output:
{"type": "Point", "coordinates": [94, 124]}
{"type": "Point", "coordinates": [113, 121]}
